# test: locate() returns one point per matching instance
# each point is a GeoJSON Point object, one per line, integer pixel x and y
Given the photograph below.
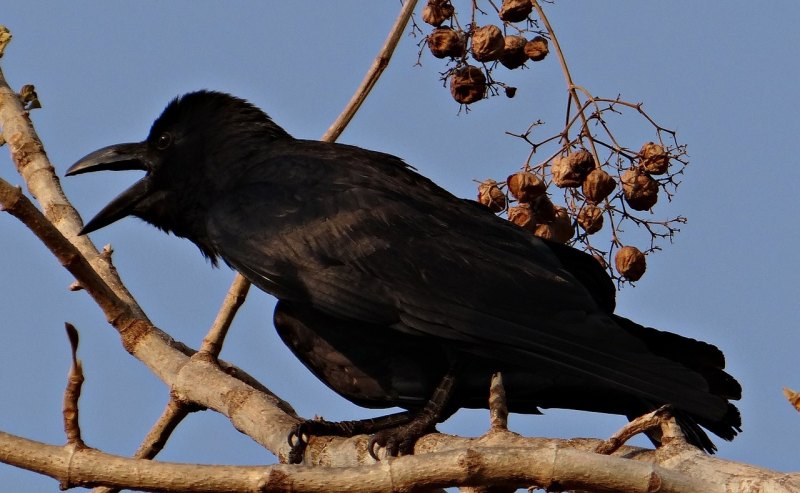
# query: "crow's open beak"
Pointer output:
{"type": "Point", "coordinates": [118, 157]}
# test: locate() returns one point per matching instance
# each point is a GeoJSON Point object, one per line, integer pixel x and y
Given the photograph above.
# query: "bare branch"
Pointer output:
{"type": "Point", "coordinates": [570, 84]}
{"type": "Point", "coordinates": [548, 464]}
{"type": "Point", "coordinates": [639, 425]}
{"type": "Point", "coordinates": [237, 293]}
{"type": "Point", "coordinates": [373, 74]}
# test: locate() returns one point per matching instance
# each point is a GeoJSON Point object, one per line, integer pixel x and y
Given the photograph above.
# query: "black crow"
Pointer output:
{"type": "Point", "coordinates": [396, 293]}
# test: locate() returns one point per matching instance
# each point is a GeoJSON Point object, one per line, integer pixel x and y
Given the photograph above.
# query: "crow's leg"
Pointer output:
{"type": "Point", "coordinates": [349, 428]}
{"type": "Point", "coordinates": [298, 437]}
{"type": "Point", "coordinates": [400, 439]}
{"type": "Point", "coordinates": [397, 433]}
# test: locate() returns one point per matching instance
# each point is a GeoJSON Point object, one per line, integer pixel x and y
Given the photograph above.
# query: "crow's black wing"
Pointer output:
{"type": "Point", "coordinates": [359, 236]}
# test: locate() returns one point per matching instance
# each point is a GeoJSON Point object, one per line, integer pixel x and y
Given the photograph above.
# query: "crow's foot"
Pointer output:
{"type": "Point", "coordinates": [401, 439]}
{"type": "Point", "coordinates": [301, 433]}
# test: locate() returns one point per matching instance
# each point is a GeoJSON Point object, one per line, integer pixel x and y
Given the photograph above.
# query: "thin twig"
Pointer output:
{"type": "Point", "coordinates": [639, 425]}
{"type": "Point", "coordinates": [212, 343]}
{"type": "Point", "coordinates": [570, 85]}
{"type": "Point", "coordinates": [373, 74]}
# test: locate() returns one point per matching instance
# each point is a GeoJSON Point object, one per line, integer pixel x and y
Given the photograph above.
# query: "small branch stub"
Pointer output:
{"type": "Point", "coordinates": [29, 98]}
{"type": "Point", "coordinates": [498, 407]}
{"type": "Point", "coordinates": [73, 391]}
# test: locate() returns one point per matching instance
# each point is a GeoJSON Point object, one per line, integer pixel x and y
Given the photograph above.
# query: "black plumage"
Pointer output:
{"type": "Point", "coordinates": [386, 282]}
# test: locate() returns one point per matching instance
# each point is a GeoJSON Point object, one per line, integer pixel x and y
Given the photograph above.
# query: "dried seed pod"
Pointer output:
{"type": "Point", "coordinates": [654, 158]}
{"type": "Point", "coordinates": [590, 218]}
{"type": "Point", "coordinates": [598, 185]}
{"type": "Point", "coordinates": [536, 49]}
{"type": "Point", "coordinates": [543, 209]}
{"type": "Point", "coordinates": [468, 84]}
{"type": "Point", "coordinates": [525, 186]}
{"type": "Point", "coordinates": [563, 228]}
{"type": "Point", "coordinates": [546, 231]}
{"type": "Point", "coordinates": [513, 52]}
{"type": "Point", "coordinates": [522, 216]}
{"type": "Point", "coordinates": [437, 11]}
{"type": "Point", "coordinates": [570, 170]}
{"type": "Point", "coordinates": [640, 190]}
{"type": "Point", "coordinates": [487, 43]}
{"type": "Point", "coordinates": [490, 195]}
{"type": "Point", "coordinates": [515, 10]}
{"type": "Point", "coordinates": [630, 263]}
{"type": "Point", "coordinates": [444, 42]}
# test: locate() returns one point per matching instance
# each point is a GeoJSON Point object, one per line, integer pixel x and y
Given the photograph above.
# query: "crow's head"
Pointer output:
{"type": "Point", "coordinates": [185, 158]}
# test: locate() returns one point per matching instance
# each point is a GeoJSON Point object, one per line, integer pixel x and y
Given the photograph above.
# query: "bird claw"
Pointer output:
{"type": "Point", "coordinates": [397, 441]}
{"type": "Point", "coordinates": [298, 441]}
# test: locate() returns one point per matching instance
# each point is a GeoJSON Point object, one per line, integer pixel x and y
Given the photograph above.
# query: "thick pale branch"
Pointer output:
{"type": "Point", "coordinates": [547, 464]}
{"type": "Point", "coordinates": [31, 162]}
{"type": "Point", "coordinates": [13, 201]}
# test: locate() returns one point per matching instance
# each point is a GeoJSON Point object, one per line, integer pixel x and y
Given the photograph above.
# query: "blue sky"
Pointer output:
{"type": "Point", "coordinates": [723, 74]}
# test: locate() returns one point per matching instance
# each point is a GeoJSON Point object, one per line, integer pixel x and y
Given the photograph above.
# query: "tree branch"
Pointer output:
{"type": "Point", "coordinates": [549, 464]}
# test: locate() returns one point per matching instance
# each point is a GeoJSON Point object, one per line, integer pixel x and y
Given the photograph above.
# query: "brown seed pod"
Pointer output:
{"type": "Point", "coordinates": [525, 186]}
{"type": "Point", "coordinates": [546, 231]}
{"type": "Point", "coordinates": [543, 209]}
{"type": "Point", "coordinates": [444, 42]}
{"type": "Point", "coordinates": [598, 185]}
{"type": "Point", "coordinates": [654, 158]}
{"type": "Point", "coordinates": [515, 10]}
{"type": "Point", "coordinates": [522, 216]}
{"type": "Point", "coordinates": [536, 49]}
{"type": "Point", "coordinates": [590, 218]}
{"type": "Point", "coordinates": [570, 170]}
{"type": "Point", "coordinates": [630, 263]}
{"type": "Point", "coordinates": [490, 195]}
{"type": "Point", "coordinates": [640, 190]}
{"type": "Point", "coordinates": [513, 52]}
{"type": "Point", "coordinates": [437, 11]}
{"type": "Point", "coordinates": [563, 228]}
{"type": "Point", "coordinates": [468, 85]}
{"type": "Point", "coordinates": [487, 43]}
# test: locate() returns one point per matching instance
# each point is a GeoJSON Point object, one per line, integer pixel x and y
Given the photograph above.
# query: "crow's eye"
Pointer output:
{"type": "Point", "coordinates": [164, 140]}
